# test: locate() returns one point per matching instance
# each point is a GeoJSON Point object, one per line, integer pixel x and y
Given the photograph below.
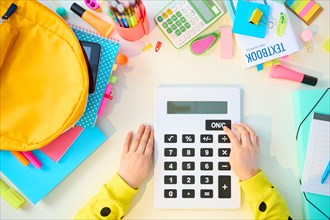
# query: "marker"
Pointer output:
{"type": "Point", "coordinates": [35, 162]}
{"type": "Point", "coordinates": [101, 26]}
{"type": "Point", "coordinates": [326, 173]}
{"type": "Point", "coordinates": [10, 195]}
{"type": "Point", "coordinates": [281, 72]}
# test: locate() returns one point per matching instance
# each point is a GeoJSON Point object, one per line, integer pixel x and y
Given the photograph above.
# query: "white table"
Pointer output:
{"type": "Point", "coordinates": [267, 107]}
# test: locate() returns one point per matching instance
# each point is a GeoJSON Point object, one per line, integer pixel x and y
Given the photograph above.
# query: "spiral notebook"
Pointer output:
{"type": "Point", "coordinates": [109, 51]}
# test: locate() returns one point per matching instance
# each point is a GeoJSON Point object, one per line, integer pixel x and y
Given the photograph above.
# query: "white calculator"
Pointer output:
{"type": "Point", "coordinates": [181, 21]}
{"type": "Point", "coordinates": [192, 167]}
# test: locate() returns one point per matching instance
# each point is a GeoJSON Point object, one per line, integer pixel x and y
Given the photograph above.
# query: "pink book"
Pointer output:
{"type": "Point", "coordinates": [56, 149]}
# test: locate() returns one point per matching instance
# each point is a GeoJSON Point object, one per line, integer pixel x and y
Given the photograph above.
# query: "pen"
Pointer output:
{"type": "Point", "coordinates": [326, 173]}
{"type": "Point", "coordinates": [10, 195]}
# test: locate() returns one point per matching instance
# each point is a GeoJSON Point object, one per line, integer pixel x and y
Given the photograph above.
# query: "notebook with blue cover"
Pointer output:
{"type": "Point", "coordinates": [109, 51]}
{"type": "Point", "coordinates": [317, 206]}
{"type": "Point", "coordinates": [37, 183]}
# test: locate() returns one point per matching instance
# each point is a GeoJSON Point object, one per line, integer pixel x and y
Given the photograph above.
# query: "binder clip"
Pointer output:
{"type": "Point", "coordinates": [257, 18]}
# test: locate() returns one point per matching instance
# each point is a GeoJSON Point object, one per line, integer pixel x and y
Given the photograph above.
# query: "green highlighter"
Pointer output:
{"type": "Point", "coordinates": [10, 196]}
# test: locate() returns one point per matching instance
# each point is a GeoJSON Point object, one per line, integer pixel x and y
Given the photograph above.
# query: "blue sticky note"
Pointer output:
{"type": "Point", "coordinates": [243, 14]}
{"type": "Point", "coordinates": [37, 183]}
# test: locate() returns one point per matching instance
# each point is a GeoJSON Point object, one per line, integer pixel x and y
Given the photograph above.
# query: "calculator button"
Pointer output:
{"type": "Point", "coordinates": [188, 179]}
{"type": "Point", "coordinates": [206, 193]}
{"type": "Point", "coordinates": [224, 187]}
{"type": "Point", "coordinates": [170, 138]}
{"type": "Point", "coordinates": [196, 19]}
{"type": "Point", "coordinates": [179, 14]}
{"type": "Point", "coordinates": [187, 35]}
{"type": "Point", "coordinates": [170, 166]}
{"type": "Point", "coordinates": [182, 29]}
{"type": "Point", "coordinates": [223, 138]}
{"type": "Point", "coordinates": [164, 15]}
{"type": "Point", "coordinates": [206, 179]}
{"type": "Point", "coordinates": [160, 18]}
{"type": "Point", "coordinates": [173, 8]}
{"type": "Point", "coordinates": [206, 138]}
{"type": "Point", "coordinates": [170, 152]}
{"type": "Point", "coordinates": [197, 28]}
{"type": "Point", "coordinates": [174, 27]}
{"type": "Point", "coordinates": [169, 30]}
{"type": "Point", "coordinates": [180, 40]}
{"type": "Point", "coordinates": [170, 193]}
{"type": "Point", "coordinates": [183, 20]}
{"type": "Point", "coordinates": [188, 152]}
{"type": "Point", "coordinates": [188, 16]}
{"type": "Point", "coordinates": [179, 5]}
{"type": "Point", "coordinates": [174, 17]}
{"type": "Point", "coordinates": [188, 138]}
{"type": "Point", "coordinates": [206, 166]}
{"type": "Point", "coordinates": [206, 152]}
{"type": "Point", "coordinates": [174, 35]}
{"type": "Point", "coordinates": [178, 23]}
{"type": "Point", "coordinates": [169, 11]}
{"type": "Point", "coordinates": [187, 25]}
{"type": "Point", "coordinates": [192, 31]}
{"type": "Point", "coordinates": [188, 193]}
{"type": "Point", "coordinates": [224, 166]}
{"type": "Point", "coordinates": [169, 21]}
{"type": "Point", "coordinates": [170, 179]}
{"type": "Point", "coordinates": [164, 24]}
{"type": "Point", "coordinates": [178, 32]}
{"type": "Point", "coordinates": [217, 124]}
{"type": "Point", "coordinates": [188, 166]}
{"type": "Point", "coordinates": [224, 152]}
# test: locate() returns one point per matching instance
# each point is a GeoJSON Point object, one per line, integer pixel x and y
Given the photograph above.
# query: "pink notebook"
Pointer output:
{"type": "Point", "coordinates": [56, 149]}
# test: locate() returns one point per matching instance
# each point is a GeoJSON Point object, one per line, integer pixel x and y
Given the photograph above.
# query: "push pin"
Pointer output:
{"type": "Point", "coordinates": [257, 18]}
{"type": "Point", "coordinates": [307, 37]}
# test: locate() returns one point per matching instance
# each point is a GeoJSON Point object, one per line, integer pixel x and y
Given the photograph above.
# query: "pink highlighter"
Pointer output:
{"type": "Point", "coordinates": [282, 72]}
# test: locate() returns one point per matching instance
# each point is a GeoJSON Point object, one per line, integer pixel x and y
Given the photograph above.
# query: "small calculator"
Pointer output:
{"type": "Point", "coordinates": [192, 167]}
{"type": "Point", "coordinates": [181, 21]}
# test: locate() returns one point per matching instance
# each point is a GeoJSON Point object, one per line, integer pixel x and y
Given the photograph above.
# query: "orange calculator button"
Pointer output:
{"type": "Point", "coordinates": [169, 11]}
{"type": "Point", "coordinates": [164, 15]}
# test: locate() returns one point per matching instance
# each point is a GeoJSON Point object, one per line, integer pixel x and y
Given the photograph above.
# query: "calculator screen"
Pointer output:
{"type": "Point", "coordinates": [204, 9]}
{"type": "Point", "coordinates": [197, 107]}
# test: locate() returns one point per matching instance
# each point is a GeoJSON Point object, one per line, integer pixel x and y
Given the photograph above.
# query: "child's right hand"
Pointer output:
{"type": "Point", "coordinates": [244, 151]}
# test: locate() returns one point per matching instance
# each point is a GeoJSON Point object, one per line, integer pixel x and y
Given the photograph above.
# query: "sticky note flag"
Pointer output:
{"type": "Point", "coordinates": [260, 67]}
{"type": "Point", "coordinates": [326, 46]}
{"type": "Point", "coordinates": [268, 64]}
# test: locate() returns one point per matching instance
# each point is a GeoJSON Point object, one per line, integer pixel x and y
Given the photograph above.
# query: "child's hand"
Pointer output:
{"type": "Point", "coordinates": [244, 152]}
{"type": "Point", "coordinates": [137, 156]}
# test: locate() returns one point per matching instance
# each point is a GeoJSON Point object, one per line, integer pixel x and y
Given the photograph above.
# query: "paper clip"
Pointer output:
{"type": "Point", "coordinates": [307, 37]}
{"type": "Point", "coordinates": [281, 25]}
{"type": "Point", "coordinates": [257, 18]}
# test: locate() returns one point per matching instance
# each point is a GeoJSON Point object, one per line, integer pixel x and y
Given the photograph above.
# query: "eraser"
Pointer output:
{"type": "Point", "coordinates": [226, 42]}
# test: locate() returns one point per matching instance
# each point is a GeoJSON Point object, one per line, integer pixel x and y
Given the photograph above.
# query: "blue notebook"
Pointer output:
{"type": "Point", "coordinates": [37, 183]}
{"type": "Point", "coordinates": [315, 206]}
{"type": "Point", "coordinates": [109, 51]}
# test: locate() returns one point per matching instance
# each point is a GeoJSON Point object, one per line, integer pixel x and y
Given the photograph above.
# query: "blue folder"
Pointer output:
{"type": "Point", "coordinates": [315, 206]}
{"type": "Point", "coordinates": [37, 183]}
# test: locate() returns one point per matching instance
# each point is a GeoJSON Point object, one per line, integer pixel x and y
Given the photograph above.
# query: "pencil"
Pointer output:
{"type": "Point", "coordinates": [20, 157]}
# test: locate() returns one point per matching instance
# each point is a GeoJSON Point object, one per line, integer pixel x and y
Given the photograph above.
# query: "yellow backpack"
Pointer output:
{"type": "Point", "coordinates": [43, 76]}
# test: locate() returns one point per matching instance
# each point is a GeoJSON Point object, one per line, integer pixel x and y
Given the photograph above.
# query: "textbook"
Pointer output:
{"type": "Point", "coordinates": [260, 50]}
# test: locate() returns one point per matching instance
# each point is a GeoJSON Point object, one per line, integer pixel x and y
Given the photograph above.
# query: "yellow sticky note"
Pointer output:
{"type": "Point", "coordinates": [268, 64]}
{"type": "Point", "coordinates": [326, 45]}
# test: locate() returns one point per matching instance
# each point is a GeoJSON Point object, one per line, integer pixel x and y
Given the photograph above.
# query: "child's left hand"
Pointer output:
{"type": "Point", "coordinates": [137, 156]}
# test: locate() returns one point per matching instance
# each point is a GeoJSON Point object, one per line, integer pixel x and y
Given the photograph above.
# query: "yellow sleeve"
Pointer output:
{"type": "Point", "coordinates": [111, 202]}
{"type": "Point", "coordinates": [264, 199]}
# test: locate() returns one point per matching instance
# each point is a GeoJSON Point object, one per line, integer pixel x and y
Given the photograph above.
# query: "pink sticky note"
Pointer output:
{"type": "Point", "coordinates": [226, 42]}
{"type": "Point", "coordinates": [56, 149]}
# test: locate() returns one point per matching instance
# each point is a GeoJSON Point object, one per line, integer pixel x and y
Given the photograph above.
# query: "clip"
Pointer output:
{"type": "Point", "coordinates": [307, 37]}
{"type": "Point", "coordinates": [257, 18]}
{"type": "Point", "coordinates": [281, 25]}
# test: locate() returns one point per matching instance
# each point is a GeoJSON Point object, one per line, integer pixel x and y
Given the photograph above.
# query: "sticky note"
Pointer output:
{"type": "Point", "coordinates": [306, 10]}
{"type": "Point", "coordinates": [326, 45]}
